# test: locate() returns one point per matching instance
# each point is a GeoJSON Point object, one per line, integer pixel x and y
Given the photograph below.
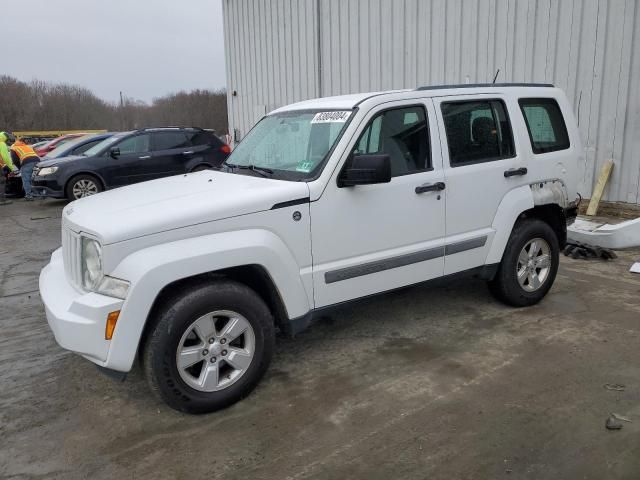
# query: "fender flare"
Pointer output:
{"type": "Point", "coordinates": [512, 205]}
{"type": "Point", "coordinates": [518, 201]}
{"type": "Point", "coordinates": [151, 269]}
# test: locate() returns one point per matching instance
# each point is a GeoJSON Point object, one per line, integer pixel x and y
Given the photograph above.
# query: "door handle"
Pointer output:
{"type": "Point", "coordinates": [513, 172]}
{"type": "Point", "coordinates": [144, 157]}
{"type": "Point", "coordinates": [430, 187]}
{"type": "Point", "coordinates": [190, 152]}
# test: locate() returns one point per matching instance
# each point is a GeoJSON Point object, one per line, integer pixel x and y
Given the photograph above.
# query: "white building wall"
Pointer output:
{"type": "Point", "coordinates": [282, 51]}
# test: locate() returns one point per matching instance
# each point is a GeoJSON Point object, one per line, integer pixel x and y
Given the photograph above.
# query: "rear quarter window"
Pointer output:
{"type": "Point", "coordinates": [203, 138]}
{"type": "Point", "coordinates": [545, 124]}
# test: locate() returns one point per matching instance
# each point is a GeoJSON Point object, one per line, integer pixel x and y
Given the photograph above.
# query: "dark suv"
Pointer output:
{"type": "Point", "coordinates": [129, 157]}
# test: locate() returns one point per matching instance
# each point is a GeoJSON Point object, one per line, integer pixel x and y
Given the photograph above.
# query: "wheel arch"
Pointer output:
{"type": "Point", "coordinates": [551, 214]}
{"type": "Point", "coordinates": [254, 276]}
{"type": "Point", "coordinates": [256, 258]}
{"type": "Point", "coordinates": [543, 200]}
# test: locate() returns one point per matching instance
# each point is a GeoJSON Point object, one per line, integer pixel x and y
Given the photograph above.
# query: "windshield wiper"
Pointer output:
{"type": "Point", "coordinates": [265, 172]}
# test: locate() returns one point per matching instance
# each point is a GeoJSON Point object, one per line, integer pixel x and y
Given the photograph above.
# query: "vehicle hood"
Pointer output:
{"type": "Point", "coordinates": [54, 162]}
{"type": "Point", "coordinates": [176, 202]}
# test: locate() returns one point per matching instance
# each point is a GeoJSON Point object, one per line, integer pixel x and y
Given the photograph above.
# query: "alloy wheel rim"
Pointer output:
{"type": "Point", "coordinates": [534, 264]}
{"type": "Point", "coordinates": [215, 351]}
{"type": "Point", "coordinates": [84, 188]}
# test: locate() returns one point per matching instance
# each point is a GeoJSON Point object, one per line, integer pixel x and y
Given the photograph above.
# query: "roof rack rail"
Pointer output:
{"type": "Point", "coordinates": [144, 129]}
{"type": "Point", "coordinates": [479, 85]}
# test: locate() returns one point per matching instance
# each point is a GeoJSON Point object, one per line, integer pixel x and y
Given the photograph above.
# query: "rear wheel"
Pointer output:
{"type": "Point", "coordinates": [201, 167]}
{"type": "Point", "coordinates": [82, 186]}
{"type": "Point", "coordinates": [209, 347]}
{"type": "Point", "coordinates": [529, 264]}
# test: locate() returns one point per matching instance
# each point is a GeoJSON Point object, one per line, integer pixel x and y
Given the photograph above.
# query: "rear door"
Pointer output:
{"type": "Point", "coordinates": [171, 152]}
{"type": "Point", "coordinates": [481, 164]}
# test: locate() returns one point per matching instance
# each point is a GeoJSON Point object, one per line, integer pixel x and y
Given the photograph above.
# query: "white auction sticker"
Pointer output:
{"type": "Point", "coordinates": [338, 116]}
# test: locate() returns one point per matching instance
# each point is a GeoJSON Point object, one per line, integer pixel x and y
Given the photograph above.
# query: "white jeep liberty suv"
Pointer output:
{"type": "Point", "coordinates": [325, 201]}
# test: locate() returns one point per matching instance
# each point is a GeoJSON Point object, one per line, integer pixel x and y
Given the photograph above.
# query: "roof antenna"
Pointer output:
{"type": "Point", "coordinates": [496, 77]}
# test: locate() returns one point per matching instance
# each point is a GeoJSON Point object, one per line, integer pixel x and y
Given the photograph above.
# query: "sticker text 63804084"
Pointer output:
{"type": "Point", "coordinates": [339, 116]}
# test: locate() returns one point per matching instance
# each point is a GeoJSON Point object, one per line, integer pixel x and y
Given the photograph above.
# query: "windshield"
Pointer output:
{"type": "Point", "coordinates": [64, 146]}
{"type": "Point", "coordinates": [97, 148]}
{"type": "Point", "coordinates": [291, 145]}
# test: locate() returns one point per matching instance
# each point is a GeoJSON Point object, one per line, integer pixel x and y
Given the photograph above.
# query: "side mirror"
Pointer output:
{"type": "Point", "coordinates": [114, 152]}
{"type": "Point", "coordinates": [366, 170]}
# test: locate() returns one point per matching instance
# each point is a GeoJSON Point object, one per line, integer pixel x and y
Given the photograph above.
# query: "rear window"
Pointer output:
{"type": "Point", "coordinates": [203, 138]}
{"type": "Point", "coordinates": [547, 130]}
{"type": "Point", "coordinates": [477, 131]}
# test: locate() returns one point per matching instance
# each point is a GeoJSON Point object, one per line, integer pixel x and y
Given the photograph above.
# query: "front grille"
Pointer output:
{"type": "Point", "coordinates": [71, 257]}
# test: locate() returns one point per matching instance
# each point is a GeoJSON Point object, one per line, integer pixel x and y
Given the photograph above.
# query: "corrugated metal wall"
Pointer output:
{"type": "Point", "coordinates": [282, 51]}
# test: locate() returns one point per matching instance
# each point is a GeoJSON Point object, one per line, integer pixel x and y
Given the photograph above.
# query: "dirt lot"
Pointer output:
{"type": "Point", "coordinates": [424, 383]}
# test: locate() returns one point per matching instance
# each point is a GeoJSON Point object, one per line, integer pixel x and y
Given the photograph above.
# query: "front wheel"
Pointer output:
{"type": "Point", "coordinates": [82, 186]}
{"type": "Point", "coordinates": [209, 347]}
{"type": "Point", "coordinates": [529, 264]}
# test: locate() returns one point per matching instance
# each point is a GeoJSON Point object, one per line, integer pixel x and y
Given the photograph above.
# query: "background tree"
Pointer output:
{"type": "Point", "coordinates": [40, 105]}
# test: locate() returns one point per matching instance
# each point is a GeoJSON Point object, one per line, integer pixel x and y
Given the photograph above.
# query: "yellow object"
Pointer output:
{"type": "Point", "coordinates": [112, 319]}
{"type": "Point", "coordinates": [599, 188]}
{"type": "Point", "coordinates": [52, 133]}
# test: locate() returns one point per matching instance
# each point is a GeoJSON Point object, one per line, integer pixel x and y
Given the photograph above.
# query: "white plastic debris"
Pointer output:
{"type": "Point", "coordinates": [615, 236]}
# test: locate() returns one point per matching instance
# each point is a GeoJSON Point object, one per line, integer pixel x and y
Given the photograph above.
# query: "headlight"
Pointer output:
{"type": "Point", "coordinates": [91, 262]}
{"type": "Point", "coordinates": [47, 171]}
{"type": "Point", "coordinates": [93, 278]}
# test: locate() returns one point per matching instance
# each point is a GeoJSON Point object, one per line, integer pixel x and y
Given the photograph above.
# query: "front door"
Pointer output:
{"type": "Point", "coordinates": [372, 238]}
{"type": "Point", "coordinates": [481, 165]}
{"type": "Point", "coordinates": [132, 164]}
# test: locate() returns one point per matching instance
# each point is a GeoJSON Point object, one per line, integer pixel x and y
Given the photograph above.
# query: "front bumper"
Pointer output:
{"type": "Point", "coordinates": [47, 187]}
{"type": "Point", "coordinates": [76, 318]}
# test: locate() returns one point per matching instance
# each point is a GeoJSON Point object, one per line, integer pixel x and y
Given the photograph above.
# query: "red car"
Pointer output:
{"type": "Point", "coordinates": [56, 142]}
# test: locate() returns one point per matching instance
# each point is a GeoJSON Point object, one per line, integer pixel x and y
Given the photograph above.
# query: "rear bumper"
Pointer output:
{"type": "Point", "coordinates": [77, 319]}
{"type": "Point", "coordinates": [571, 211]}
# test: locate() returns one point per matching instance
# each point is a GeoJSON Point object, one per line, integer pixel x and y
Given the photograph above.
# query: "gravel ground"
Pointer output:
{"type": "Point", "coordinates": [438, 383]}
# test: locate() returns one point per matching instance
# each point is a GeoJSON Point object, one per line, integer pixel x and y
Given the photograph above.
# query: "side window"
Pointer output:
{"type": "Point", "coordinates": [403, 134]}
{"type": "Point", "coordinates": [83, 148]}
{"type": "Point", "coordinates": [547, 130]}
{"type": "Point", "coordinates": [477, 131]}
{"type": "Point", "coordinates": [169, 140]}
{"type": "Point", "coordinates": [137, 144]}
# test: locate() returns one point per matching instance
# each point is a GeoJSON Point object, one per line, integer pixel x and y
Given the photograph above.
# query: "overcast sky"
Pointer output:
{"type": "Point", "coordinates": [146, 48]}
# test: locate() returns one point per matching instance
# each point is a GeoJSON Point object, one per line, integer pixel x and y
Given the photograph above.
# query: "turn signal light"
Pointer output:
{"type": "Point", "coordinates": [112, 319]}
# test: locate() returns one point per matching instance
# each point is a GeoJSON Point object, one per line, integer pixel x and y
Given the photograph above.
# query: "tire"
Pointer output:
{"type": "Point", "coordinates": [180, 329]}
{"type": "Point", "coordinates": [514, 268]}
{"type": "Point", "coordinates": [200, 168]}
{"type": "Point", "coordinates": [82, 186]}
